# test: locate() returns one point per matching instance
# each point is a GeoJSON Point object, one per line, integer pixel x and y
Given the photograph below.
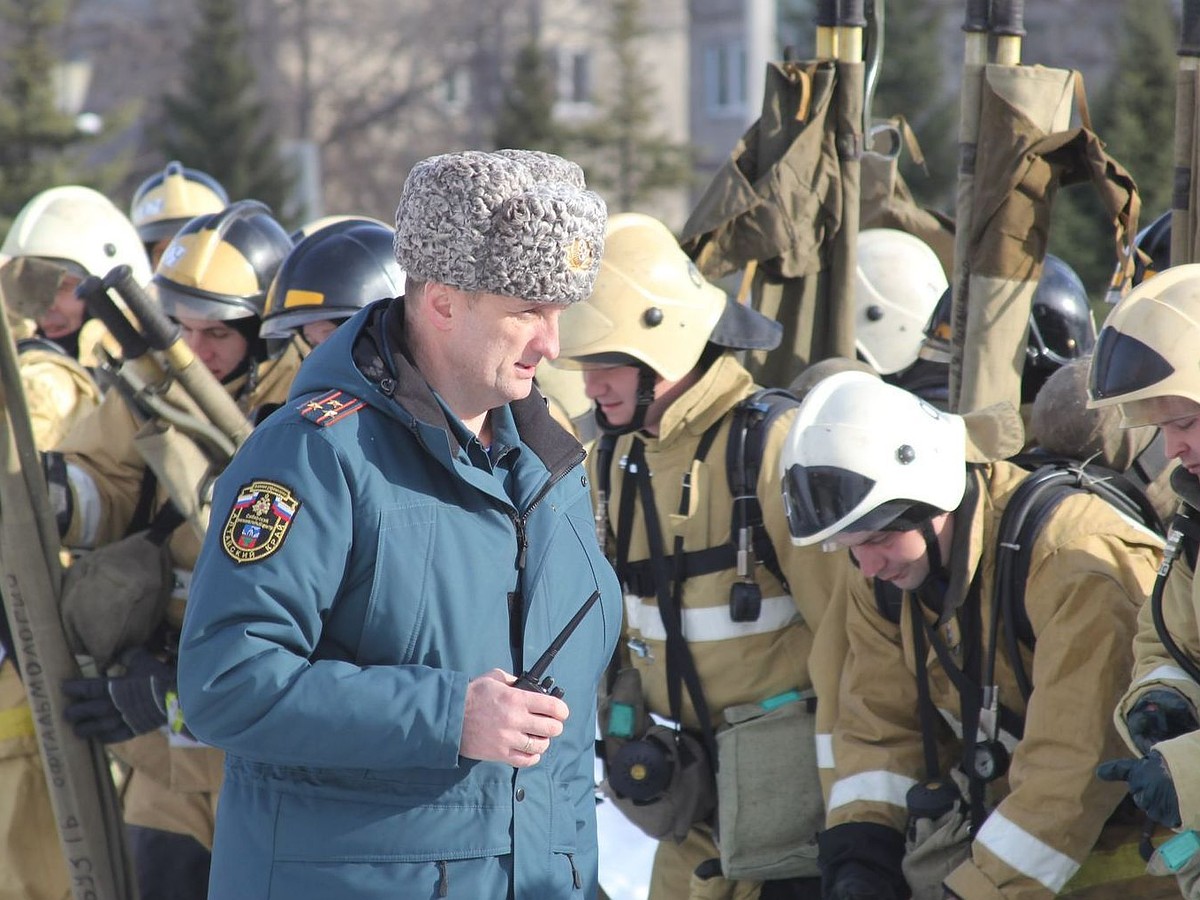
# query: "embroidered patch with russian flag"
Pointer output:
{"type": "Point", "coordinates": [258, 521]}
{"type": "Point", "coordinates": [330, 408]}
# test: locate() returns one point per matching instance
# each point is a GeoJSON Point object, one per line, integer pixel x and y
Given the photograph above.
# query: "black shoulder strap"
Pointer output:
{"type": "Point", "coordinates": [1182, 537]}
{"type": "Point", "coordinates": [681, 668]}
{"type": "Point", "coordinates": [1024, 517]}
{"type": "Point", "coordinates": [749, 426]}
{"type": "Point", "coordinates": [889, 600]}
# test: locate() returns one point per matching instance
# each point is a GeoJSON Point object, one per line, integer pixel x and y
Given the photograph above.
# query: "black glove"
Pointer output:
{"type": "Point", "coordinates": [1158, 715]}
{"type": "Point", "coordinates": [861, 861]}
{"type": "Point", "coordinates": [855, 881]}
{"type": "Point", "coordinates": [116, 709]}
{"type": "Point", "coordinates": [1150, 785]}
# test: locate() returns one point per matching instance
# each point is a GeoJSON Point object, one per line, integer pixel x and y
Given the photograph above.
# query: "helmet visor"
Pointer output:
{"type": "Point", "coordinates": [1122, 364]}
{"type": "Point", "coordinates": [816, 498]}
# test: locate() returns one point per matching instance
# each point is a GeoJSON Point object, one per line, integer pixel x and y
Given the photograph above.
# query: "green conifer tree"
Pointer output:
{"type": "Point", "coordinates": [1135, 116]}
{"type": "Point", "coordinates": [40, 146]}
{"type": "Point", "coordinates": [217, 122]}
{"type": "Point", "coordinates": [525, 119]}
{"type": "Point", "coordinates": [624, 150]}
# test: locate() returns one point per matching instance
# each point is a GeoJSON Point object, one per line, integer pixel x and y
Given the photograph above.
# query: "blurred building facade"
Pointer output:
{"type": "Point", "coordinates": [364, 88]}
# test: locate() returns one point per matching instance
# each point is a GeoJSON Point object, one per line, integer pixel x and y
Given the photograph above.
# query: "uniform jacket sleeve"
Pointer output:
{"type": "Point", "coordinates": [877, 740]}
{"type": "Point", "coordinates": [249, 679]}
{"type": "Point", "coordinates": [1155, 668]}
{"type": "Point", "coordinates": [101, 446]}
{"type": "Point", "coordinates": [1082, 602]}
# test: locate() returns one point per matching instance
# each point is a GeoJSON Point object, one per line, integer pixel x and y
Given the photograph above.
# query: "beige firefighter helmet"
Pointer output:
{"type": "Point", "coordinates": [863, 455]}
{"type": "Point", "coordinates": [896, 287]}
{"type": "Point", "coordinates": [167, 200]}
{"type": "Point", "coordinates": [79, 228]}
{"type": "Point", "coordinates": [650, 304]}
{"type": "Point", "coordinates": [1147, 347]}
{"type": "Point", "coordinates": [566, 387]}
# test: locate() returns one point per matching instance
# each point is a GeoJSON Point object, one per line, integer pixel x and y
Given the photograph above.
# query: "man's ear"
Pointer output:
{"type": "Point", "coordinates": [438, 305]}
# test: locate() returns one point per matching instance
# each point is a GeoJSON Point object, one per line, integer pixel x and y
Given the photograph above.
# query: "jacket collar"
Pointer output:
{"type": "Point", "coordinates": [716, 392]}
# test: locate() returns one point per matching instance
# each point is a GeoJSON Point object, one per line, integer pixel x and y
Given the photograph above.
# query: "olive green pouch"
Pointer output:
{"type": "Point", "coordinates": [770, 805]}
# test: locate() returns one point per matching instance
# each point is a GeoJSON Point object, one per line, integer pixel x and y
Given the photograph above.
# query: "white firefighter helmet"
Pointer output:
{"type": "Point", "coordinates": [863, 455]}
{"type": "Point", "coordinates": [897, 285]}
{"type": "Point", "coordinates": [1147, 347]}
{"type": "Point", "coordinates": [79, 228]}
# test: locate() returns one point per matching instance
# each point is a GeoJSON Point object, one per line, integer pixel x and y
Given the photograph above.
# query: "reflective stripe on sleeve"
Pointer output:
{"type": "Point", "coordinates": [874, 787]}
{"type": "Point", "coordinates": [710, 623]}
{"type": "Point", "coordinates": [1027, 854]}
{"type": "Point", "coordinates": [824, 751]}
{"type": "Point", "coordinates": [87, 505]}
{"type": "Point", "coordinates": [1165, 673]}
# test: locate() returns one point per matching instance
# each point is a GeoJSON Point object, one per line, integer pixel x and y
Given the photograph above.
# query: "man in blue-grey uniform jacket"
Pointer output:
{"type": "Point", "coordinates": [388, 550]}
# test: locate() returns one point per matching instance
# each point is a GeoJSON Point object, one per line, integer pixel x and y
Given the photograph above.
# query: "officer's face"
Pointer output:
{"type": "Point", "coordinates": [1179, 420]}
{"type": "Point", "coordinates": [219, 348]}
{"type": "Point", "coordinates": [896, 556]}
{"type": "Point", "coordinates": [497, 344]}
{"type": "Point", "coordinates": [65, 315]}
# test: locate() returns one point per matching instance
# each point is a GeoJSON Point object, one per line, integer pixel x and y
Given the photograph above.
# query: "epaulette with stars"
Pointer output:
{"type": "Point", "coordinates": [330, 408]}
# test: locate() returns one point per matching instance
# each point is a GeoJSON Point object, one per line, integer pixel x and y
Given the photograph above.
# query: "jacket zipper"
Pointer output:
{"type": "Point", "coordinates": [519, 519]}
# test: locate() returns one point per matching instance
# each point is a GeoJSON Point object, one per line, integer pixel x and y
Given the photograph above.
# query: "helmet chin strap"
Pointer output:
{"type": "Point", "coordinates": [933, 550]}
{"type": "Point", "coordinates": [645, 396]}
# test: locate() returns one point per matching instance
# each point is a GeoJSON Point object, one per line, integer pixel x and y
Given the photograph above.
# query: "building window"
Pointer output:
{"type": "Point", "coordinates": [725, 78]}
{"type": "Point", "coordinates": [574, 80]}
{"type": "Point", "coordinates": [581, 78]}
{"type": "Point", "coordinates": [456, 87]}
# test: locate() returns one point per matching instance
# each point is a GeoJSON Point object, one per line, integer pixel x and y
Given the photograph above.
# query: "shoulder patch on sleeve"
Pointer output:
{"type": "Point", "coordinates": [330, 408]}
{"type": "Point", "coordinates": [259, 520]}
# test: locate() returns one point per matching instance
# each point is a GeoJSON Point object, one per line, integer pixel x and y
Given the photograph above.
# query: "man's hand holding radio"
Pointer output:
{"type": "Point", "coordinates": [509, 726]}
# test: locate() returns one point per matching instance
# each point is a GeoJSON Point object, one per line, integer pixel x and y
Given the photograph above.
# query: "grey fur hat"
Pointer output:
{"type": "Point", "coordinates": [515, 222]}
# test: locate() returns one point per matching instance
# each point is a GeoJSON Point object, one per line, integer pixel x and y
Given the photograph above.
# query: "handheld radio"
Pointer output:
{"type": "Point", "coordinates": [531, 679]}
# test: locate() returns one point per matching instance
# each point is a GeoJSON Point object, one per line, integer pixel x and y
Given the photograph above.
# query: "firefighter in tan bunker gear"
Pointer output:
{"type": "Point", "coordinates": [60, 236]}
{"type": "Point", "coordinates": [1145, 362]}
{"type": "Point", "coordinates": [212, 280]}
{"type": "Point", "coordinates": [655, 344]}
{"type": "Point", "coordinates": [1015, 810]}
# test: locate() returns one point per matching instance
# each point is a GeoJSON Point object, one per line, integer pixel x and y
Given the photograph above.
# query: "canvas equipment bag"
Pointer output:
{"type": "Point", "coordinates": [769, 802]}
{"type": "Point", "coordinates": [688, 795]}
{"type": "Point", "coordinates": [114, 597]}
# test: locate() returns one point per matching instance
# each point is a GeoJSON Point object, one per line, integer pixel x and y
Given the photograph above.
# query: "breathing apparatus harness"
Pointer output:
{"type": "Point", "coordinates": [985, 758]}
